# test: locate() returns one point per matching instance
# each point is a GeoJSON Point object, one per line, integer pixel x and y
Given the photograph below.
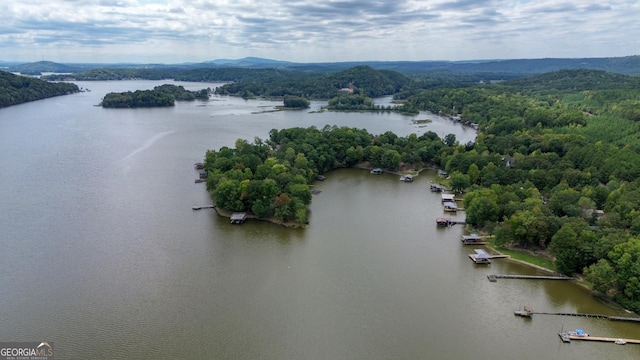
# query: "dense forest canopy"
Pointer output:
{"type": "Point", "coordinates": [362, 79]}
{"type": "Point", "coordinates": [16, 89]}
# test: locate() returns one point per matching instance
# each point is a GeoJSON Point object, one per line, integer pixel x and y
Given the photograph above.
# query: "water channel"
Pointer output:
{"type": "Point", "coordinates": [102, 255]}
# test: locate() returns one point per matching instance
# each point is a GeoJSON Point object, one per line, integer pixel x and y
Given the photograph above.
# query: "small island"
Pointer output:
{"type": "Point", "coordinates": [161, 96]}
{"type": "Point", "coordinates": [357, 102]}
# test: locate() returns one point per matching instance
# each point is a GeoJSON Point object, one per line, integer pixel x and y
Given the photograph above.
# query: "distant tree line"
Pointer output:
{"type": "Point", "coordinates": [266, 82]}
{"type": "Point", "coordinates": [16, 89]}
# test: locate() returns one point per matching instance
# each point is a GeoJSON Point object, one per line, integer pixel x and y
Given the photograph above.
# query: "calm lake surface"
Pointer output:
{"type": "Point", "coordinates": [102, 254]}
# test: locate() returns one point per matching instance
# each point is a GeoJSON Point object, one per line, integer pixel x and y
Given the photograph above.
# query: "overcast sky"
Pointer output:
{"type": "Point", "coordinates": [154, 31]}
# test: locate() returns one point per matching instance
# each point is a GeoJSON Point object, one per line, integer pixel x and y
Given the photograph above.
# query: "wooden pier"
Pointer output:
{"type": "Point", "coordinates": [624, 318]}
{"type": "Point", "coordinates": [604, 339]}
{"type": "Point", "coordinates": [594, 316]}
{"type": "Point", "coordinates": [494, 277]}
{"type": "Point", "coordinates": [528, 313]}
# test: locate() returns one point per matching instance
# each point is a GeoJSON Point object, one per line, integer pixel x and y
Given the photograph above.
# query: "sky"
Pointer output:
{"type": "Point", "coordinates": [171, 32]}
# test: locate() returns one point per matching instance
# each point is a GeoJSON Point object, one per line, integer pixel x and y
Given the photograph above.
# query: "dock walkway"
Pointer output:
{"type": "Point", "coordinates": [603, 339]}
{"type": "Point", "coordinates": [528, 313]}
{"type": "Point", "coordinates": [494, 277]}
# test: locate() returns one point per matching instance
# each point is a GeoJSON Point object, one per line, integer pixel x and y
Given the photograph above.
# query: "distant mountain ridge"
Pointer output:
{"type": "Point", "coordinates": [622, 65]}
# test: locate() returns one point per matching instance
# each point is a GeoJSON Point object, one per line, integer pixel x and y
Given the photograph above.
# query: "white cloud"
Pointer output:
{"type": "Point", "coordinates": [307, 31]}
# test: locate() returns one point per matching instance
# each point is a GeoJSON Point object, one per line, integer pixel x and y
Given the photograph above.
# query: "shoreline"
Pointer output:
{"type": "Point", "coordinates": [578, 280]}
{"type": "Point", "coordinates": [227, 214]}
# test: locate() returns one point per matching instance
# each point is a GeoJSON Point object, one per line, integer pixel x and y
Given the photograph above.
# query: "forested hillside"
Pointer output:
{"type": "Point", "coordinates": [555, 167]}
{"type": "Point", "coordinates": [360, 79]}
{"type": "Point", "coordinates": [487, 69]}
{"type": "Point", "coordinates": [15, 89]}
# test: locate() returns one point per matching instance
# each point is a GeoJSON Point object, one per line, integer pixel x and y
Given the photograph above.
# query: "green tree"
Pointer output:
{"type": "Point", "coordinates": [564, 245]}
{"type": "Point", "coordinates": [474, 174]}
{"type": "Point", "coordinates": [602, 276]}
{"type": "Point", "coordinates": [228, 195]}
{"type": "Point", "coordinates": [459, 182]}
{"type": "Point", "coordinates": [450, 140]}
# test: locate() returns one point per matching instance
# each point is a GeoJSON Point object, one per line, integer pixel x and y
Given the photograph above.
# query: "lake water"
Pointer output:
{"type": "Point", "coordinates": [102, 254]}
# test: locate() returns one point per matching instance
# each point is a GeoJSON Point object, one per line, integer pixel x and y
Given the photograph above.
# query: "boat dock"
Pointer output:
{"type": "Point", "coordinates": [203, 207]}
{"type": "Point", "coordinates": [495, 277]}
{"type": "Point", "coordinates": [238, 217]}
{"type": "Point", "coordinates": [445, 221]}
{"type": "Point", "coordinates": [480, 257]}
{"type": "Point", "coordinates": [473, 239]}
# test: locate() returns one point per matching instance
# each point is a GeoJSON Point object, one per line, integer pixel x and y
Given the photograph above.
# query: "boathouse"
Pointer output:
{"type": "Point", "coordinates": [472, 239]}
{"type": "Point", "coordinates": [448, 198]}
{"type": "Point", "coordinates": [443, 173]}
{"type": "Point", "coordinates": [435, 187]}
{"type": "Point", "coordinates": [480, 257]}
{"type": "Point", "coordinates": [450, 206]}
{"type": "Point", "coordinates": [238, 217]}
{"type": "Point", "coordinates": [407, 178]}
{"type": "Point", "coordinates": [376, 171]}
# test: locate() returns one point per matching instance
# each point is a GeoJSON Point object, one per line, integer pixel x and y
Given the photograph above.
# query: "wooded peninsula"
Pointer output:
{"type": "Point", "coordinates": [15, 89]}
